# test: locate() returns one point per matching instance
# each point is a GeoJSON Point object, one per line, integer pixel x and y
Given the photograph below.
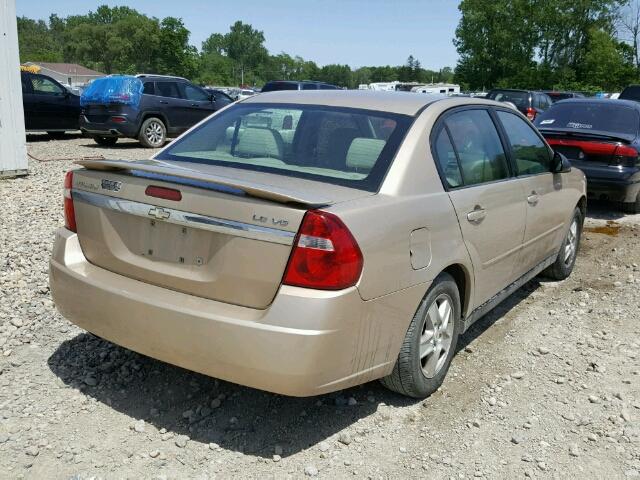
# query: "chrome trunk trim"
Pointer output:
{"type": "Point", "coordinates": [187, 219]}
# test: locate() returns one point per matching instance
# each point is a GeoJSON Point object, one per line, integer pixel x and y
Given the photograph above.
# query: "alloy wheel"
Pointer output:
{"type": "Point", "coordinates": [154, 133]}
{"type": "Point", "coordinates": [436, 335]}
{"type": "Point", "coordinates": [571, 245]}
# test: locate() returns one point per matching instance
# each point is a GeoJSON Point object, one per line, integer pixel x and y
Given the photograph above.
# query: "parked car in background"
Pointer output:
{"type": "Point", "coordinates": [48, 106]}
{"type": "Point", "coordinates": [221, 99]}
{"type": "Point", "coordinates": [530, 103]}
{"type": "Point", "coordinates": [284, 243]}
{"type": "Point", "coordinates": [556, 96]}
{"type": "Point", "coordinates": [632, 92]}
{"type": "Point", "coordinates": [601, 137]}
{"type": "Point", "coordinates": [150, 108]}
{"type": "Point", "coordinates": [297, 85]}
{"type": "Point", "coordinates": [245, 93]}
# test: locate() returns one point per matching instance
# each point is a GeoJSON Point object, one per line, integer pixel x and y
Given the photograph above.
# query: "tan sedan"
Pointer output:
{"type": "Point", "coordinates": [304, 242]}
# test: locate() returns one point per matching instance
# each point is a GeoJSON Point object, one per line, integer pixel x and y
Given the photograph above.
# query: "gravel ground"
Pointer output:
{"type": "Point", "coordinates": [545, 386]}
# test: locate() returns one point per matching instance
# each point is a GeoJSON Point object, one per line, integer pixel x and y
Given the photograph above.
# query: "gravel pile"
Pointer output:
{"type": "Point", "coordinates": [546, 386]}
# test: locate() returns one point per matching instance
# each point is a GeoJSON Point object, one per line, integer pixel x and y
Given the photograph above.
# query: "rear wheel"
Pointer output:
{"type": "Point", "coordinates": [105, 141]}
{"type": "Point", "coordinates": [56, 135]}
{"type": "Point", "coordinates": [632, 207]}
{"type": "Point", "coordinates": [153, 133]}
{"type": "Point", "coordinates": [566, 259]}
{"type": "Point", "coordinates": [430, 342]}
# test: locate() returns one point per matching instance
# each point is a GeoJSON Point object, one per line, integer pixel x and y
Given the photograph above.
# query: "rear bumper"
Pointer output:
{"type": "Point", "coordinates": [109, 129]}
{"type": "Point", "coordinates": [620, 184]}
{"type": "Point", "coordinates": [614, 190]}
{"type": "Point", "coordinates": [306, 343]}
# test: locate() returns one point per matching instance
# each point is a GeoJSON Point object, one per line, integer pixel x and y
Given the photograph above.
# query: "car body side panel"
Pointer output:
{"type": "Point", "coordinates": [549, 208]}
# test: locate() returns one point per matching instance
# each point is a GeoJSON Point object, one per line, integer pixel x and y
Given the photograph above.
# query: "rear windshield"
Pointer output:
{"type": "Point", "coordinates": [519, 99]}
{"type": "Point", "coordinates": [599, 117]}
{"type": "Point", "coordinates": [343, 146]}
{"type": "Point", "coordinates": [557, 96]}
{"type": "Point", "coordinates": [631, 93]}
{"type": "Point", "coordinates": [274, 86]}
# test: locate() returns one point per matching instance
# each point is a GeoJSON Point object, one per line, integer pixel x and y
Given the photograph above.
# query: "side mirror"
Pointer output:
{"type": "Point", "coordinates": [560, 164]}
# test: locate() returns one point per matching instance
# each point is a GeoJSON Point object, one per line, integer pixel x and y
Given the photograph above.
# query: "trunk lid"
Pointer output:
{"type": "Point", "coordinates": [228, 237]}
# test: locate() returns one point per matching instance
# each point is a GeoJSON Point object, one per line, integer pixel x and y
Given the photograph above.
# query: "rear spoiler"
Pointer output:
{"type": "Point", "coordinates": [268, 192]}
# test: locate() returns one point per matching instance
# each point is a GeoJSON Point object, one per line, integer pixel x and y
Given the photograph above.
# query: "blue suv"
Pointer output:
{"type": "Point", "coordinates": [150, 108]}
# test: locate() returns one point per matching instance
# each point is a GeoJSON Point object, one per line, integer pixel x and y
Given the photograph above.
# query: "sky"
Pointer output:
{"type": "Point", "coordinates": [353, 32]}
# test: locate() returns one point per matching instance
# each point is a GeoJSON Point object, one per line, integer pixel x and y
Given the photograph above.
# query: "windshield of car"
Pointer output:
{"type": "Point", "coordinates": [275, 86]}
{"type": "Point", "coordinates": [519, 99]}
{"type": "Point", "coordinates": [344, 146]}
{"type": "Point", "coordinates": [600, 117]}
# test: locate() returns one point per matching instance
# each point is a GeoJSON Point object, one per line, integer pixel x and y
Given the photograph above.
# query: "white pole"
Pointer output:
{"type": "Point", "coordinates": [13, 149]}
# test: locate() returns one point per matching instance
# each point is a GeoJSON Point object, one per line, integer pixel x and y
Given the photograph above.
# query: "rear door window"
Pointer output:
{"type": "Point", "coordinates": [168, 89]}
{"type": "Point", "coordinates": [530, 153]}
{"type": "Point", "coordinates": [149, 88]}
{"type": "Point", "coordinates": [447, 160]}
{"type": "Point", "coordinates": [480, 153]}
{"type": "Point", "coordinates": [309, 86]}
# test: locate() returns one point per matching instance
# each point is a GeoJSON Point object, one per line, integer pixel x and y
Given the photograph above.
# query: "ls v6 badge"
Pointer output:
{"type": "Point", "coordinates": [280, 222]}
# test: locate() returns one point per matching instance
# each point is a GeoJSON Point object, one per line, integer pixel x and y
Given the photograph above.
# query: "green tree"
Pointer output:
{"type": "Point", "coordinates": [245, 46]}
{"type": "Point", "coordinates": [538, 44]}
{"type": "Point", "coordinates": [37, 41]}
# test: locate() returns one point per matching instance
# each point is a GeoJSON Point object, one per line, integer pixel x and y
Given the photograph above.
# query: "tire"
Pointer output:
{"type": "Point", "coordinates": [632, 207]}
{"type": "Point", "coordinates": [566, 259]}
{"type": "Point", "coordinates": [418, 377]}
{"type": "Point", "coordinates": [105, 141]}
{"type": "Point", "coordinates": [153, 133]}
{"type": "Point", "coordinates": [56, 135]}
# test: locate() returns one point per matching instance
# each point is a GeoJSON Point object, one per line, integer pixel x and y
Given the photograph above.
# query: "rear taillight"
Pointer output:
{"type": "Point", "coordinates": [69, 211]}
{"type": "Point", "coordinates": [531, 113]}
{"type": "Point", "coordinates": [325, 255]}
{"type": "Point", "coordinates": [625, 156]}
{"type": "Point", "coordinates": [164, 193]}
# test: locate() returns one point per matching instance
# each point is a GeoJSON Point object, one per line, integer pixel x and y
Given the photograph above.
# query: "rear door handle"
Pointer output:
{"type": "Point", "coordinates": [533, 199]}
{"type": "Point", "coordinates": [164, 102]}
{"type": "Point", "coordinates": [477, 214]}
{"type": "Point", "coordinates": [195, 105]}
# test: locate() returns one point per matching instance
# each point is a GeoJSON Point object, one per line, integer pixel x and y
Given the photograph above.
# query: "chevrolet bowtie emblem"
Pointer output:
{"type": "Point", "coordinates": [159, 213]}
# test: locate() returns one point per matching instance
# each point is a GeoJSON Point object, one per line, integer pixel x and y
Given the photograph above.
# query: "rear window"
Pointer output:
{"type": "Point", "coordinates": [599, 117]}
{"type": "Point", "coordinates": [343, 146]}
{"type": "Point", "coordinates": [631, 93]}
{"type": "Point", "coordinates": [557, 96]}
{"type": "Point", "coordinates": [275, 86]}
{"type": "Point", "coordinates": [519, 99]}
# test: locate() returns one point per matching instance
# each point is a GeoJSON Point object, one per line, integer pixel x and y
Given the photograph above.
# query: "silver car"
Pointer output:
{"type": "Point", "coordinates": [304, 242]}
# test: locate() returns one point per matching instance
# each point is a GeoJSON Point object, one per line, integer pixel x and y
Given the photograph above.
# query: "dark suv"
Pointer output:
{"type": "Point", "coordinates": [147, 107]}
{"type": "Point", "coordinates": [531, 103]}
{"type": "Point", "coordinates": [632, 92]}
{"type": "Point", "coordinates": [48, 106]}
{"type": "Point", "coordinates": [297, 85]}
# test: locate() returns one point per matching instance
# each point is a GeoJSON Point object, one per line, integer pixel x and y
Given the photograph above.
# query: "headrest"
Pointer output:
{"type": "Point", "coordinates": [363, 153]}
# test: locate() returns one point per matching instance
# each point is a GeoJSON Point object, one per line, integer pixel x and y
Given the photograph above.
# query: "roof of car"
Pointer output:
{"type": "Point", "coordinates": [609, 101]}
{"type": "Point", "coordinates": [396, 102]}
